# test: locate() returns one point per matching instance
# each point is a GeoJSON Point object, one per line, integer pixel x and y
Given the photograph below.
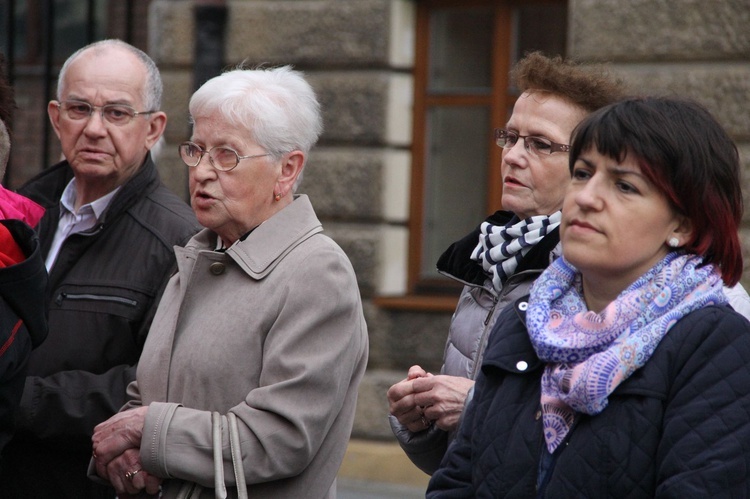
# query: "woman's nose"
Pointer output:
{"type": "Point", "coordinates": [589, 195]}
{"type": "Point", "coordinates": [203, 169]}
{"type": "Point", "coordinates": [517, 154]}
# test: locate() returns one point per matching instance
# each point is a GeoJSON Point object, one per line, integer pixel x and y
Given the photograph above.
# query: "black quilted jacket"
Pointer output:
{"type": "Point", "coordinates": [678, 427]}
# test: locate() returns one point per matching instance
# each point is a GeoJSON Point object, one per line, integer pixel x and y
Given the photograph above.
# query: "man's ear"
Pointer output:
{"type": "Point", "coordinates": [53, 111]}
{"type": "Point", "coordinates": [291, 168]}
{"type": "Point", "coordinates": [156, 125]}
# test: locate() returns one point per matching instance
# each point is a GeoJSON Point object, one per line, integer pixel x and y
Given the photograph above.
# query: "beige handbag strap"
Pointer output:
{"type": "Point", "coordinates": [234, 443]}
{"type": "Point", "coordinates": [219, 485]}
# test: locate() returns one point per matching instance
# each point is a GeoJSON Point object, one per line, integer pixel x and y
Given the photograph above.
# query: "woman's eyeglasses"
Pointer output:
{"type": "Point", "coordinates": [222, 158]}
{"type": "Point", "coordinates": [507, 139]}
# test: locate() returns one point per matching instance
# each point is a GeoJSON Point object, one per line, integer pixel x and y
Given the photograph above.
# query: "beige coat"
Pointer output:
{"type": "Point", "coordinates": [272, 331]}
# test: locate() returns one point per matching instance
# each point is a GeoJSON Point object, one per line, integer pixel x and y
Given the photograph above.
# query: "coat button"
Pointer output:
{"type": "Point", "coordinates": [523, 306]}
{"type": "Point", "coordinates": [522, 365]}
{"type": "Point", "coordinates": [538, 415]}
{"type": "Point", "coordinates": [217, 268]}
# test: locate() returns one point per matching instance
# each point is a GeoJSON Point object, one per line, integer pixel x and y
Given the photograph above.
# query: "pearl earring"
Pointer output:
{"type": "Point", "coordinates": [673, 242]}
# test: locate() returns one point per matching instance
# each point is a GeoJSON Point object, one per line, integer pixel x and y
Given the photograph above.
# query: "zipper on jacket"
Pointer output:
{"type": "Point", "coordinates": [89, 297]}
{"type": "Point", "coordinates": [495, 300]}
{"type": "Point", "coordinates": [483, 339]}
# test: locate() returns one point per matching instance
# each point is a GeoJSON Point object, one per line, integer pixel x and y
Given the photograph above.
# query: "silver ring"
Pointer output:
{"type": "Point", "coordinates": [426, 422]}
{"type": "Point", "coordinates": [131, 474]}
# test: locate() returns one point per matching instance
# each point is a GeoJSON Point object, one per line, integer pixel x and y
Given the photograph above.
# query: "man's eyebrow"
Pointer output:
{"type": "Point", "coordinates": [122, 102]}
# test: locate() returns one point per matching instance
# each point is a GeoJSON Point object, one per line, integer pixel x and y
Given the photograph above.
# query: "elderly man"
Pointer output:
{"type": "Point", "coordinates": [107, 238]}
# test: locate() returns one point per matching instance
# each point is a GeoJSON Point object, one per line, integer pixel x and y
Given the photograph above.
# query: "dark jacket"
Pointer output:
{"type": "Point", "coordinates": [103, 292]}
{"type": "Point", "coordinates": [478, 308]}
{"type": "Point", "coordinates": [678, 427]}
{"type": "Point", "coordinates": [23, 320]}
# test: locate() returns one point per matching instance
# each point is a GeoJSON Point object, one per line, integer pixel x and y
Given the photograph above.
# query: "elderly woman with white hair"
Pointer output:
{"type": "Point", "coordinates": [248, 379]}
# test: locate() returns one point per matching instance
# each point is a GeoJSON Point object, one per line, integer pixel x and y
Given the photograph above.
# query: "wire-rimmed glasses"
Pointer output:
{"type": "Point", "coordinates": [540, 145]}
{"type": "Point", "coordinates": [117, 114]}
{"type": "Point", "coordinates": [222, 158]}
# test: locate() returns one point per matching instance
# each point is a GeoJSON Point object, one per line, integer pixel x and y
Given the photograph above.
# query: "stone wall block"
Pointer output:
{"type": "Point", "coordinates": [745, 241]}
{"type": "Point", "coordinates": [344, 182]}
{"type": "Point", "coordinates": [744, 149]}
{"type": "Point", "coordinates": [354, 105]}
{"type": "Point", "coordinates": [663, 30]}
{"type": "Point", "coordinates": [360, 243]}
{"type": "Point", "coordinates": [371, 416]}
{"type": "Point", "coordinates": [171, 32]}
{"type": "Point", "coordinates": [173, 172]}
{"type": "Point", "coordinates": [723, 88]}
{"type": "Point", "coordinates": [331, 33]}
{"type": "Point", "coordinates": [178, 88]}
{"type": "Point", "coordinates": [409, 338]}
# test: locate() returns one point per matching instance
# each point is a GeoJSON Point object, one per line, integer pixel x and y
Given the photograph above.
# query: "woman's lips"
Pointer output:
{"type": "Point", "coordinates": [513, 182]}
{"type": "Point", "coordinates": [581, 226]}
{"type": "Point", "coordinates": [202, 199]}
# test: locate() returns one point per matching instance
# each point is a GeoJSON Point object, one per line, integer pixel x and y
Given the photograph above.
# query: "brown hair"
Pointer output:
{"type": "Point", "coordinates": [589, 87]}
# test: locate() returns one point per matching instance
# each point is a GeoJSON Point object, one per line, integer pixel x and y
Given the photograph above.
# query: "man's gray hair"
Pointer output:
{"type": "Point", "coordinates": [153, 89]}
{"type": "Point", "coordinates": [276, 106]}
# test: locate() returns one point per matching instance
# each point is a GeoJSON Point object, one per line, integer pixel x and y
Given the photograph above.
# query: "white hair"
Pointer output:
{"type": "Point", "coordinates": [152, 90]}
{"type": "Point", "coordinates": [276, 106]}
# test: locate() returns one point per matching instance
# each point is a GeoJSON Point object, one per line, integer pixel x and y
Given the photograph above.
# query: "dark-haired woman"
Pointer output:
{"type": "Point", "coordinates": [625, 373]}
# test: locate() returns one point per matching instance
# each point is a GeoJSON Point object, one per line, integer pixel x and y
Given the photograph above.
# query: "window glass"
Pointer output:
{"type": "Point", "coordinates": [460, 55]}
{"type": "Point", "coordinates": [455, 178]}
{"type": "Point", "coordinates": [73, 23]}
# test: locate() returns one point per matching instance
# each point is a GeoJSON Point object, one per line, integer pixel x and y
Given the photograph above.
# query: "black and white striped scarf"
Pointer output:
{"type": "Point", "coordinates": [501, 248]}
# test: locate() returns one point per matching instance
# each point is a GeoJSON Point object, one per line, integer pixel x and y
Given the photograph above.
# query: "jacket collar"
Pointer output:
{"type": "Point", "coordinates": [47, 187]}
{"type": "Point", "coordinates": [456, 261]}
{"type": "Point", "coordinates": [271, 241]}
{"type": "Point", "coordinates": [510, 348]}
{"type": "Point", "coordinates": [142, 183]}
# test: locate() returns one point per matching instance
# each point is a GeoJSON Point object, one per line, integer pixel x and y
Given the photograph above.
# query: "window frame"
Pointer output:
{"type": "Point", "coordinates": [423, 101]}
{"type": "Point", "coordinates": [434, 294]}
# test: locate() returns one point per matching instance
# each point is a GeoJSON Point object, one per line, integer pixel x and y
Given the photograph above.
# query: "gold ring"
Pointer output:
{"type": "Point", "coordinates": [131, 474]}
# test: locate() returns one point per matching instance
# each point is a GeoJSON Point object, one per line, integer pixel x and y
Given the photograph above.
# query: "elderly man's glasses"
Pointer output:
{"type": "Point", "coordinates": [117, 114]}
{"type": "Point", "coordinates": [507, 139]}
{"type": "Point", "coordinates": [222, 158]}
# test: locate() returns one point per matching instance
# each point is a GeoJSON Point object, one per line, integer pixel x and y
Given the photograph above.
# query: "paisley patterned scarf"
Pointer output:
{"type": "Point", "coordinates": [589, 354]}
{"type": "Point", "coordinates": [501, 249]}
